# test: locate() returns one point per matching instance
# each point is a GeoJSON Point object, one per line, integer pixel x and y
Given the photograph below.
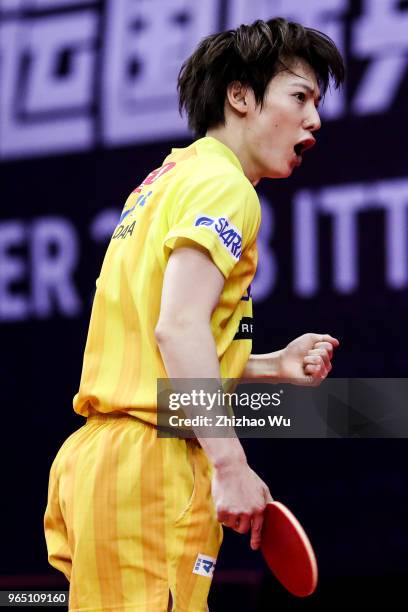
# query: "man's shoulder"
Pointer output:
{"type": "Point", "coordinates": [207, 171]}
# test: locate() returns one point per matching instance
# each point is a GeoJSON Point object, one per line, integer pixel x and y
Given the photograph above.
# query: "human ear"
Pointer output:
{"type": "Point", "coordinates": [237, 97]}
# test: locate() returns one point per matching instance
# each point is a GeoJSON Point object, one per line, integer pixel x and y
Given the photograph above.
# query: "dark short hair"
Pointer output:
{"type": "Point", "coordinates": [253, 55]}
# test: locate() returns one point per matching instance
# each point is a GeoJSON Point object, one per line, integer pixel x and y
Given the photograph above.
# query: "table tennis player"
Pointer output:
{"type": "Point", "coordinates": [134, 521]}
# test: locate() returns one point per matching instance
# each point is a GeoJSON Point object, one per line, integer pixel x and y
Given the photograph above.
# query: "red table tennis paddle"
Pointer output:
{"type": "Point", "coordinates": [288, 551]}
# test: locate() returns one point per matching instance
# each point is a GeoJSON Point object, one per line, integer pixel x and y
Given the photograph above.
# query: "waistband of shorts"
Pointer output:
{"type": "Point", "coordinates": [111, 416]}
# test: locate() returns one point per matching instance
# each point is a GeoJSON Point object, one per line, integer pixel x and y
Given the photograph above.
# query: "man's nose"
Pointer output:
{"type": "Point", "coordinates": [313, 122]}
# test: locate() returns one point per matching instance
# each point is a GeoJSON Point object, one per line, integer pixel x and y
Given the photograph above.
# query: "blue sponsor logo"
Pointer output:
{"type": "Point", "coordinates": [141, 201]}
{"type": "Point", "coordinates": [204, 565]}
{"type": "Point", "coordinates": [126, 213]}
{"type": "Point", "coordinates": [228, 234]}
{"type": "Point", "coordinates": [204, 221]}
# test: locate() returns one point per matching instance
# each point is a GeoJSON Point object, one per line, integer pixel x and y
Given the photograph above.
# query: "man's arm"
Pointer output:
{"type": "Point", "coordinates": [191, 289]}
{"type": "Point", "coordinates": [305, 361]}
{"type": "Point", "coordinates": [265, 365]}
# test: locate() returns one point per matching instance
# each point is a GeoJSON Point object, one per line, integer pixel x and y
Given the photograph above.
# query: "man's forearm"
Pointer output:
{"type": "Point", "coordinates": [263, 366]}
{"type": "Point", "coordinates": [190, 353]}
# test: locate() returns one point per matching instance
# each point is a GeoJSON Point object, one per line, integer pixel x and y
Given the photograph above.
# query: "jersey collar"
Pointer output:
{"type": "Point", "coordinates": [212, 145]}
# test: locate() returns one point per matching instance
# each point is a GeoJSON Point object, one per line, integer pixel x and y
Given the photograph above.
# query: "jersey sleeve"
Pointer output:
{"type": "Point", "coordinates": [220, 213]}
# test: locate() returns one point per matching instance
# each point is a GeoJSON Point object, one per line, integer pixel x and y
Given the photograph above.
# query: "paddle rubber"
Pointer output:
{"type": "Point", "coordinates": [288, 551]}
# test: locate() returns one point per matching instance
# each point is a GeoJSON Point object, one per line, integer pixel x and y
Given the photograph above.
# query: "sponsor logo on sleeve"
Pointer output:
{"type": "Point", "coordinates": [204, 566]}
{"type": "Point", "coordinates": [245, 329]}
{"type": "Point", "coordinates": [227, 233]}
{"type": "Point", "coordinates": [204, 221]}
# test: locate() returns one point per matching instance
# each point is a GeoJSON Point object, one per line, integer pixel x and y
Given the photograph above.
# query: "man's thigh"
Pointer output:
{"type": "Point", "coordinates": [195, 538]}
{"type": "Point", "coordinates": [138, 515]}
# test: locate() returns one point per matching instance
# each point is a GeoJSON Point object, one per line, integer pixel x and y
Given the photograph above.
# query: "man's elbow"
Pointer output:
{"type": "Point", "coordinates": [176, 327]}
{"type": "Point", "coordinates": [161, 332]}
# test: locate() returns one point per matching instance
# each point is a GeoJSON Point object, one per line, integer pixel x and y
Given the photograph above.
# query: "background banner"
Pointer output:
{"type": "Point", "coordinates": [88, 108]}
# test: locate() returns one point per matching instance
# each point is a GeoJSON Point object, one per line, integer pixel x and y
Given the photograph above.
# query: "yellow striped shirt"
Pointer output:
{"type": "Point", "coordinates": [199, 193]}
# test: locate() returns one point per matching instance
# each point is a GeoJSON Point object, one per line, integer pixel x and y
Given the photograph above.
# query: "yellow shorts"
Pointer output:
{"type": "Point", "coordinates": [130, 518]}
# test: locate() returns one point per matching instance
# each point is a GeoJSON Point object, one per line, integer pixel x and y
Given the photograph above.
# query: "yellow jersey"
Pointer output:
{"type": "Point", "coordinates": [200, 193]}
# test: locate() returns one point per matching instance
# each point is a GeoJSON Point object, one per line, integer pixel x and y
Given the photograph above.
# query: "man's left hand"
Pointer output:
{"type": "Point", "coordinates": [307, 359]}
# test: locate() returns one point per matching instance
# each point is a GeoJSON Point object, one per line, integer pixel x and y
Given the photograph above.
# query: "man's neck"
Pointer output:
{"type": "Point", "coordinates": [236, 144]}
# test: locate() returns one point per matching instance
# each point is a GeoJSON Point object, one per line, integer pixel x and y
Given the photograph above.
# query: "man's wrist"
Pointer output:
{"type": "Point", "coordinates": [227, 463]}
{"type": "Point", "coordinates": [267, 365]}
{"type": "Point", "coordinates": [223, 453]}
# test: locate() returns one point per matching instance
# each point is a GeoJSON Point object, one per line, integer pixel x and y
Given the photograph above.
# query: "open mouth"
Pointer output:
{"type": "Point", "coordinates": [303, 145]}
{"type": "Point", "coordinates": [298, 149]}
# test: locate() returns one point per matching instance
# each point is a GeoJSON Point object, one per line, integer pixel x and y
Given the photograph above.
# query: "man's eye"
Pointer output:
{"type": "Point", "coordinates": [301, 96]}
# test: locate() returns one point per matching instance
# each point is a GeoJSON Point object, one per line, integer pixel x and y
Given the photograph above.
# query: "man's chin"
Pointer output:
{"type": "Point", "coordinates": [279, 173]}
{"type": "Point", "coordinates": [284, 174]}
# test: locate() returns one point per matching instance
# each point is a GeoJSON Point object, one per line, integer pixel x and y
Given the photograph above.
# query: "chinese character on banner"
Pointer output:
{"type": "Point", "coordinates": [46, 76]}
{"type": "Point", "coordinates": [381, 36]}
{"type": "Point", "coordinates": [323, 15]}
{"type": "Point", "coordinates": [146, 43]}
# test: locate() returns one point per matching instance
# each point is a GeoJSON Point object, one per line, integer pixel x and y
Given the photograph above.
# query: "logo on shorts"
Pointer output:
{"type": "Point", "coordinates": [228, 234]}
{"type": "Point", "coordinates": [204, 566]}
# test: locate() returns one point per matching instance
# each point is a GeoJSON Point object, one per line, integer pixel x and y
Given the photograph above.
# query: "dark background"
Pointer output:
{"type": "Point", "coordinates": [351, 495]}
